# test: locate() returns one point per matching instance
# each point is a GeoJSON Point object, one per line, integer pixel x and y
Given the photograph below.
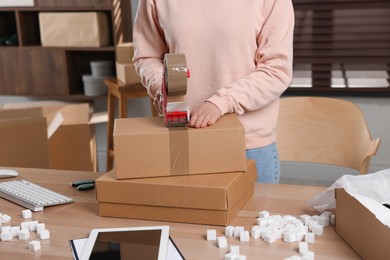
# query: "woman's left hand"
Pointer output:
{"type": "Point", "coordinates": [205, 115]}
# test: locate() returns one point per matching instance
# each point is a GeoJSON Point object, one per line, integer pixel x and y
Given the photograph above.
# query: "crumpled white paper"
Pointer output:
{"type": "Point", "coordinates": [371, 190]}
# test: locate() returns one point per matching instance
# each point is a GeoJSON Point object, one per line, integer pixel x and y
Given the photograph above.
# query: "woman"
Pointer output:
{"type": "Point", "coordinates": [240, 57]}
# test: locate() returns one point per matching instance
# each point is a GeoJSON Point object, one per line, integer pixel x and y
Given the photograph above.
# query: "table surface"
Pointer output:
{"type": "Point", "coordinates": [76, 220]}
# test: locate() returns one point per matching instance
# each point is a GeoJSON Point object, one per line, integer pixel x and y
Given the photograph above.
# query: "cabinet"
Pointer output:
{"type": "Point", "coordinates": [28, 68]}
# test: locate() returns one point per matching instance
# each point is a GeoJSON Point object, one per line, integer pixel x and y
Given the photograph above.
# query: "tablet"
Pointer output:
{"type": "Point", "coordinates": [127, 243]}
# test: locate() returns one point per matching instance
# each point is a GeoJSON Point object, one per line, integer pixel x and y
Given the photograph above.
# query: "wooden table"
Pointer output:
{"type": "Point", "coordinates": [121, 92]}
{"type": "Point", "coordinates": [76, 220]}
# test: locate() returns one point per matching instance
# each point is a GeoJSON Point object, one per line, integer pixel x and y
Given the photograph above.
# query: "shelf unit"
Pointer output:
{"type": "Point", "coordinates": [29, 69]}
{"type": "Point", "coordinates": [341, 47]}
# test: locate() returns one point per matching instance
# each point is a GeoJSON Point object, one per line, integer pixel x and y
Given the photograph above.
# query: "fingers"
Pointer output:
{"type": "Point", "coordinates": [205, 115]}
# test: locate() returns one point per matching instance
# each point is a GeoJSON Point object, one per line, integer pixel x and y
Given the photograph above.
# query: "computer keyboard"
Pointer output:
{"type": "Point", "coordinates": [30, 195]}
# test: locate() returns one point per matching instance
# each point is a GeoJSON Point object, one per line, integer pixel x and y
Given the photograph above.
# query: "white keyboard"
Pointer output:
{"type": "Point", "coordinates": [30, 195]}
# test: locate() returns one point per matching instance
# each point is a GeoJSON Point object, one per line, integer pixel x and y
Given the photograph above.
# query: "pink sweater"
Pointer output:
{"type": "Point", "coordinates": [239, 53]}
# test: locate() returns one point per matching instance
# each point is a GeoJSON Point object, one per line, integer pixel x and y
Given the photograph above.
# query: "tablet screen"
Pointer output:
{"type": "Point", "coordinates": [127, 243]}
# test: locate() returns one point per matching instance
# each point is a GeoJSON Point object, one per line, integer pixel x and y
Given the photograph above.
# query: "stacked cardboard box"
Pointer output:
{"type": "Point", "coordinates": [177, 174]}
{"type": "Point", "coordinates": [125, 70]}
{"type": "Point", "coordinates": [60, 136]}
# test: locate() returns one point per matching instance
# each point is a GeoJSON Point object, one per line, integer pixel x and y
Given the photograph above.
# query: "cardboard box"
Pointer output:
{"type": "Point", "coordinates": [74, 29]}
{"type": "Point", "coordinates": [212, 199]}
{"type": "Point", "coordinates": [154, 150]}
{"type": "Point", "coordinates": [125, 52]}
{"type": "Point", "coordinates": [72, 144]}
{"type": "Point", "coordinates": [126, 73]}
{"type": "Point", "coordinates": [23, 138]}
{"type": "Point", "coordinates": [360, 228]}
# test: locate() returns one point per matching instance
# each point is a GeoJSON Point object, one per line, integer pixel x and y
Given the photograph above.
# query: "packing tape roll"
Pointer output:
{"type": "Point", "coordinates": [175, 74]}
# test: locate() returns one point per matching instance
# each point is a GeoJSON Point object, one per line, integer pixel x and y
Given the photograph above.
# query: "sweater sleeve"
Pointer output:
{"type": "Point", "coordinates": [149, 46]}
{"type": "Point", "coordinates": [273, 58]}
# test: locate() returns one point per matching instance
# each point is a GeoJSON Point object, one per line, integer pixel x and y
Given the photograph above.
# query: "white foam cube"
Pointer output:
{"type": "Point", "coordinates": [230, 256]}
{"type": "Point", "coordinates": [5, 218]}
{"type": "Point", "coordinates": [310, 238]}
{"type": "Point", "coordinates": [333, 219]}
{"type": "Point", "coordinates": [211, 234]}
{"type": "Point", "coordinates": [244, 236]}
{"type": "Point", "coordinates": [305, 219]}
{"type": "Point", "coordinates": [40, 227]}
{"type": "Point", "coordinates": [221, 242]}
{"type": "Point", "coordinates": [44, 234]}
{"type": "Point", "coordinates": [34, 245]}
{"type": "Point", "coordinates": [15, 231]}
{"type": "Point", "coordinates": [6, 236]}
{"type": "Point", "coordinates": [26, 214]}
{"type": "Point", "coordinates": [255, 233]}
{"type": "Point", "coordinates": [262, 222]}
{"type": "Point", "coordinates": [25, 225]}
{"type": "Point", "coordinates": [324, 221]}
{"type": "Point", "coordinates": [6, 229]}
{"type": "Point", "coordinates": [308, 256]}
{"type": "Point", "coordinates": [33, 225]}
{"type": "Point", "coordinates": [318, 230]}
{"type": "Point", "coordinates": [269, 238]}
{"type": "Point", "coordinates": [229, 231]}
{"type": "Point", "coordinates": [235, 250]}
{"type": "Point", "coordinates": [24, 234]}
{"type": "Point", "coordinates": [263, 214]}
{"type": "Point", "coordinates": [237, 231]}
{"type": "Point", "coordinates": [303, 247]}
{"type": "Point", "coordinates": [290, 237]}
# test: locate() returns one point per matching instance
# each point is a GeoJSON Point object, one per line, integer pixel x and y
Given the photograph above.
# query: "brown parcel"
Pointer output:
{"type": "Point", "coordinates": [74, 29]}
{"type": "Point", "coordinates": [73, 144]}
{"type": "Point", "coordinates": [23, 139]}
{"type": "Point", "coordinates": [360, 228]}
{"type": "Point", "coordinates": [146, 145]}
{"type": "Point", "coordinates": [124, 52]}
{"type": "Point", "coordinates": [212, 199]}
{"type": "Point", "coordinates": [126, 73]}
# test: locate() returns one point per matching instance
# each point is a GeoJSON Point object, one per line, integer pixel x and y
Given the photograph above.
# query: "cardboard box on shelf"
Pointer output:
{"type": "Point", "coordinates": [360, 228]}
{"type": "Point", "coordinates": [23, 139]}
{"type": "Point", "coordinates": [146, 145]}
{"type": "Point", "coordinates": [125, 52]}
{"type": "Point", "coordinates": [125, 72]}
{"type": "Point", "coordinates": [72, 142]}
{"type": "Point", "coordinates": [212, 199]}
{"type": "Point", "coordinates": [74, 29]}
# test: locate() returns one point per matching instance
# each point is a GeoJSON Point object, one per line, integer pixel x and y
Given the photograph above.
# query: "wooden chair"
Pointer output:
{"type": "Point", "coordinates": [326, 131]}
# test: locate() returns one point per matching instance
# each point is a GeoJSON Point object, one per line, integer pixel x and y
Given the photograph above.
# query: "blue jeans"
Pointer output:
{"type": "Point", "coordinates": [267, 163]}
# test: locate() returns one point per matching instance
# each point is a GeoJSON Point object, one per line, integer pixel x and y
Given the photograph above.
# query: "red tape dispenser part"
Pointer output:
{"type": "Point", "coordinates": [175, 108]}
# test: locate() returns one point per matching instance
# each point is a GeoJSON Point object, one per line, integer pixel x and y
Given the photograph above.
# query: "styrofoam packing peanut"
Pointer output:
{"type": "Point", "coordinates": [235, 250]}
{"type": "Point", "coordinates": [44, 234]}
{"type": "Point", "coordinates": [308, 256]}
{"type": "Point", "coordinates": [262, 222]}
{"type": "Point", "coordinates": [303, 248]}
{"type": "Point", "coordinates": [315, 217]}
{"type": "Point", "coordinates": [211, 235]}
{"type": "Point", "coordinates": [305, 218]}
{"type": "Point", "coordinates": [312, 224]}
{"type": "Point", "coordinates": [6, 236]}
{"type": "Point", "coordinates": [230, 256]}
{"type": "Point", "coordinates": [33, 225]}
{"type": "Point", "coordinates": [6, 229]}
{"type": "Point", "coordinates": [238, 230]}
{"type": "Point", "coordinates": [229, 231]}
{"type": "Point", "coordinates": [25, 225]}
{"type": "Point", "coordinates": [326, 213]}
{"type": "Point", "coordinates": [40, 227]}
{"type": "Point", "coordinates": [5, 219]}
{"type": "Point", "coordinates": [333, 219]}
{"type": "Point", "coordinates": [324, 221]}
{"type": "Point", "coordinates": [263, 214]}
{"type": "Point", "coordinates": [24, 234]}
{"type": "Point", "coordinates": [310, 238]}
{"type": "Point", "coordinates": [244, 236]}
{"type": "Point", "coordinates": [34, 245]}
{"type": "Point", "coordinates": [290, 237]}
{"type": "Point", "coordinates": [26, 214]}
{"type": "Point", "coordinates": [221, 242]}
{"type": "Point", "coordinates": [269, 238]}
{"type": "Point", "coordinates": [318, 230]}
{"type": "Point", "coordinates": [15, 231]}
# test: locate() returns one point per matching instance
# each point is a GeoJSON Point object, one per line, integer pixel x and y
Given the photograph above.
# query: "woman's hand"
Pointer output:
{"type": "Point", "coordinates": [205, 115]}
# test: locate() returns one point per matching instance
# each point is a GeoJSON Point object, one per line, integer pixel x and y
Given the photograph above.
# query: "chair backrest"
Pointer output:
{"type": "Point", "coordinates": [324, 130]}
